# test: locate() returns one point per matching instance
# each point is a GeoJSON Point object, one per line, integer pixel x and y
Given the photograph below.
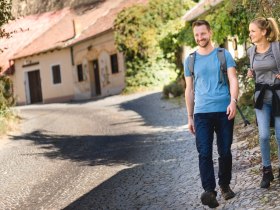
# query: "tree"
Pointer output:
{"type": "Point", "coordinates": [232, 18]}
{"type": "Point", "coordinates": [255, 8]}
{"type": "Point", "coordinates": [138, 33]}
{"type": "Point", "coordinates": [6, 95]}
{"type": "Point", "coordinates": [5, 15]}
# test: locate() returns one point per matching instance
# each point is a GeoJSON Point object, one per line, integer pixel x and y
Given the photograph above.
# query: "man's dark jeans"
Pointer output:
{"type": "Point", "coordinates": [205, 126]}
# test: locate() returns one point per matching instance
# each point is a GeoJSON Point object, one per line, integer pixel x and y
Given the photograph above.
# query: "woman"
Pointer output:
{"type": "Point", "coordinates": [265, 68]}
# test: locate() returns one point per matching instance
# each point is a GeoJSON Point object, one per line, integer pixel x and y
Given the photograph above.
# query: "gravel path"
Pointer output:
{"type": "Point", "coordinates": [120, 152]}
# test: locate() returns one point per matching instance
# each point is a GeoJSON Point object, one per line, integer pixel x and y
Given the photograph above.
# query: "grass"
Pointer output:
{"type": "Point", "coordinates": [131, 90]}
{"type": "Point", "coordinates": [179, 101]}
{"type": "Point", "coordinates": [9, 121]}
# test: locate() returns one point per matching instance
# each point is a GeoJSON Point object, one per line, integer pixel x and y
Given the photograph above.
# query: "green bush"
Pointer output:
{"type": "Point", "coordinates": [6, 94]}
{"type": "Point", "coordinates": [138, 34]}
{"type": "Point", "coordinates": [173, 89]}
{"type": "Point", "coordinates": [246, 85]}
{"type": "Point", "coordinates": [6, 102]}
{"type": "Point", "coordinates": [153, 73]}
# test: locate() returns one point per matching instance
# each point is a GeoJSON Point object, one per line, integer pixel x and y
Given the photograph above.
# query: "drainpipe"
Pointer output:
{"type": "Point", "coordinates": [71, 48]}
{"type": "Point", "coordinates": [72, 56]}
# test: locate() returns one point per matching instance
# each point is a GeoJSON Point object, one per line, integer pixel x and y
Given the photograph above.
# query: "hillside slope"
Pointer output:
{"type": "Point", "coordinates": [27, 7]}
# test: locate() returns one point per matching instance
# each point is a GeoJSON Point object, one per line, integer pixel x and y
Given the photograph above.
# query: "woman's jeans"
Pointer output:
{"type": "Point", "coordinates": [263, 119]}
{"type": "Point", "coordinates": [205, 126]}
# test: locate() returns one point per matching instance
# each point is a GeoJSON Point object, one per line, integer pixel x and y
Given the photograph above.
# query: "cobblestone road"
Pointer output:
{"type": "Point", "coordinates": [121, 152]}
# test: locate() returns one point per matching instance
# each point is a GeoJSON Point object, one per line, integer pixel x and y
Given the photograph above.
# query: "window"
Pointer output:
{"type": "Point", "coordinates": [114, 64]}
{"type": "Point", "coordinates": [56, 74]}
{"type": "Point", "coordinates": [80, 72]}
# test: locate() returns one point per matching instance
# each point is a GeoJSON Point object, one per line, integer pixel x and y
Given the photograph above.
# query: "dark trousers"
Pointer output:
{"type": "Point", "coordinates": [205, 126]}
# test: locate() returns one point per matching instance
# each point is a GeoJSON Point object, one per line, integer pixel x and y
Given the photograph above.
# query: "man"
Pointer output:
{"type": "Point", "coordinates": [211, 107]}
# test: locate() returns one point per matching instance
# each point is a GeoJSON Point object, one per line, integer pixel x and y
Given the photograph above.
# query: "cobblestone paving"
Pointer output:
{"type": "Point", "coordinates": [121, 152]}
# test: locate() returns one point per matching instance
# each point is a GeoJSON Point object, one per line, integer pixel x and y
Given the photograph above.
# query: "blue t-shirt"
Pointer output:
{"type": "Point", "coordinates": [210, 95]}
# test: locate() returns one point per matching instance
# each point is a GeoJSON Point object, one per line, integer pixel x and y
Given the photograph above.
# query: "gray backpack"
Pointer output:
{"type": "Point", "coordinates": [223, 67]}
{"type": "Point", "coordinates": [223, 74]}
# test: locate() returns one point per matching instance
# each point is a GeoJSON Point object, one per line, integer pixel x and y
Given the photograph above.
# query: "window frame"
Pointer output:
{"type": "Point", "coordinates": [80, 73]}
{"type": "Point", "coordinates": [114, 63]}
{"type": "Point", "coordinates": [53, 75]}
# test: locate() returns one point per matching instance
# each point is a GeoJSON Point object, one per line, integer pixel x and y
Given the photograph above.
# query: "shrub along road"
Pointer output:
{"type": "Point", "coordinates": [121, 152]}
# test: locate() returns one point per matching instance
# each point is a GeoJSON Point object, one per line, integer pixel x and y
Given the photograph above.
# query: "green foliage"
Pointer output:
{"type": "Point", "coordinates": [138, 34]}
{"type": "Point", "coordinates": [173, 89]}
{"type": "Point", "coordinates": [149, 74]}
{"type": "Point", "coordinates": [246, 84]}
{"type": "Point", "coordinates": [232, 18]}
{"type": "Point", "coordinates": [185, 36]}
{"type": "Point", "coordinates": [226, 20]}
{"type": "Point", "coordinates": [171, 46]}
{"type": "Point", "coordinates": [255, 8]}
{"type": "Point", "coordinates": [6, 94]}
{"type": "Point", "coordinates": [129, 29]}
{"type": "Point", "coordinates": [7, 115]}
{"type": "Point", "coordinates": [5, 15]}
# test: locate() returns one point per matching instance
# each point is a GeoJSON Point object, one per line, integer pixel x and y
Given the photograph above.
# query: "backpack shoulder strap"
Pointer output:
{"type": "Point", "coordinates": [276, 53]}
{"type": "Point", "coordinates": [191, 63]}
{"type": "Point", "coordinates": [223, 65]}
{"type": "Point", "coordinates": [222, 58]}
{"type": "Point", "coordinates": [252, 52]}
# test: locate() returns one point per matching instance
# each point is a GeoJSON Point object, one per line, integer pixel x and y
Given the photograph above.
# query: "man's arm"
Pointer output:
{"type": "Point", "coordinates": [189, 97]}
{"type": "Point", "coordinates": [234, 89]}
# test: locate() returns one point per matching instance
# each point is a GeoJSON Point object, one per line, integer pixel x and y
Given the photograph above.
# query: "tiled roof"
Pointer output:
{"type": "Point", "coordinates": [105, 22]}
{"type": "Point", "coordinates": [59, 29]}
{"type": "Point", "coordinates": [54, 38]}
{"type": "Point", "coordinates": [200, 9]}
{"type": "Point", "coordinates": [88, 18]}
{"type": "Point", "coordinates": [28, 29]}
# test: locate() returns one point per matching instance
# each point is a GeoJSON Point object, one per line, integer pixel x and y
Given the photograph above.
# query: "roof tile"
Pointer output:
{"type": "Point", "coordinates": [54, 30]}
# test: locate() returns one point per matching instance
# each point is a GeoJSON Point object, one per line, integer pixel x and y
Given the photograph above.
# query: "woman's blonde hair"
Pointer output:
{"type": "Point", "coordinates": [271, 27]}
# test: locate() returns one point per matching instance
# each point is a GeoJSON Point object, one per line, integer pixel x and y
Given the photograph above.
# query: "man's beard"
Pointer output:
{"type": "Point", "coordinates": [206, 42]}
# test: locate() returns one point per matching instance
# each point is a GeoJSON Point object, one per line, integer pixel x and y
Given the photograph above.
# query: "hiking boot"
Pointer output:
{"type": "Point", "coordinates": [267, 177]}
{"type": "Point", "coordinates": [278, 173]}
{"type": "Point", "coordinates": [209, 198]}
{"type": "Point", "coordinates": [227, 193]}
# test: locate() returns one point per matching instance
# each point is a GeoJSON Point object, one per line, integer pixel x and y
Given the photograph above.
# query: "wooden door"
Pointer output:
{"type": "Point", "coordinates": [35, 89]}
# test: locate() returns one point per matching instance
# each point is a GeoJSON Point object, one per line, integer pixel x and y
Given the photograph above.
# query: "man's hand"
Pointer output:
{"type": "Point", "coordinates": [231, 110]}
{"type": "Point", "coordinates": [277, 76]}
{"type": "Point", "coordinates": [190, 125]}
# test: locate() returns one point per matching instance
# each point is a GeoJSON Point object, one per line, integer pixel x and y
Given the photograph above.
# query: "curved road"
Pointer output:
{"type": "Point", "coordinates": [121, 152]}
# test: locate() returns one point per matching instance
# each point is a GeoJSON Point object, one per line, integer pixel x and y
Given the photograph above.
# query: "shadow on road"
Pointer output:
{"type": "Point", "coordinates": [158, 112]}
{"type": "Point", "coordinates": [97, 150]}
{"type": "Point", "coordinates": [152, 179]}
{"type": "Point", "coordinates": [148, 186]}
{"type": "Point", "coordinates": [152, 174]}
